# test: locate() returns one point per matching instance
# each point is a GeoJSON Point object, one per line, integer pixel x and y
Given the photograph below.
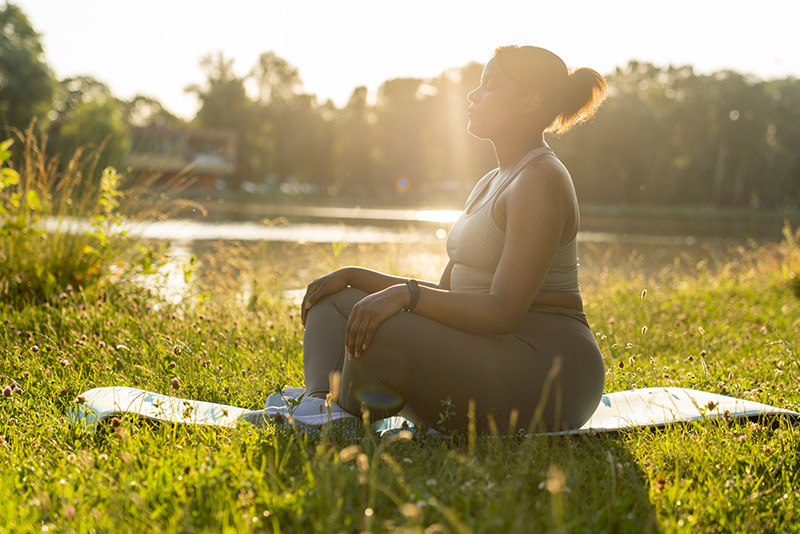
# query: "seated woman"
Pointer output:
{"type": "Point", "coordinates": [503, 331]}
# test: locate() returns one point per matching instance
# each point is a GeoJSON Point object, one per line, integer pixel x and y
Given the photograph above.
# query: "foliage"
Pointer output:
{"type": "Point", "coordinates": [667, 135]}
{"type": "Point", "coordinates": [61, 232]}
{"type": "Point", "coordinates": [720, 323]}
{"type": "Point", "coordinates": [88, 115]}
{"type": "Point", "coordinates": [26, 83]}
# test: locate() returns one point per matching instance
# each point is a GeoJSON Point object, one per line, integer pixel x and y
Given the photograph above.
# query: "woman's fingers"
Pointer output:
{"type": "Point", "coordinates": [353, 325]}
{"type": "Point", "coordinates": [363, 329]}
{"type": "Point", "coordinates": [308, 302]}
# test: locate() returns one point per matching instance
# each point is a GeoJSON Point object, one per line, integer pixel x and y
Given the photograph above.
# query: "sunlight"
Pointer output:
{"type": "Point", "coordinates": [439, 216]}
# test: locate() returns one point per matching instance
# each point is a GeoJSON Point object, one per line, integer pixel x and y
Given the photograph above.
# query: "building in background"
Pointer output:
{"type": "Point", "coordinates": [206, 157]}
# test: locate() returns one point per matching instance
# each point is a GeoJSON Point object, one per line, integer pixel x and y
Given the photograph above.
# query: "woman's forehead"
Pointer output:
{"type": "Point", "coordinates": [494, 70]}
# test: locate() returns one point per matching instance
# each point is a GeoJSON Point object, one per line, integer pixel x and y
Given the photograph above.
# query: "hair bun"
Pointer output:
{"type": "Point", "coordinates": [585, 90]}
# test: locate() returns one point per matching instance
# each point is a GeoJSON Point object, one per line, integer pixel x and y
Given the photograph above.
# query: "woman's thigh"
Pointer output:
{"type": "Point", "coordinates": [437, 371]}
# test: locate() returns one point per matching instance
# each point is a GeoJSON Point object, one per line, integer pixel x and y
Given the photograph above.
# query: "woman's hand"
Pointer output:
{"type": "Point", "coordinates": [322, 287]}
{"type": "Point", "coordinates": [369, 313]}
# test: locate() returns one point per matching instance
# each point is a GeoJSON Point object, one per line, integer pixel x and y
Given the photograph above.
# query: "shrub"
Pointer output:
{"type": "Point", "coordinates": [62, 230]}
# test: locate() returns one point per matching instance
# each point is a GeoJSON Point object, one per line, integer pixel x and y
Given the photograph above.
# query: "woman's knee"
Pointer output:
{"type": "Point", "coordinates": [341, 302]}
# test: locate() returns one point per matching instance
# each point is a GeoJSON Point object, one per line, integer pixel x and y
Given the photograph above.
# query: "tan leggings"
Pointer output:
{"type": "Point", "coordinates": [549, 371]}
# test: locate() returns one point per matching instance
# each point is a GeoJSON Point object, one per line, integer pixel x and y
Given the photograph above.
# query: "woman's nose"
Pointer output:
{"type": "Point", "coordinates": [472, 95]}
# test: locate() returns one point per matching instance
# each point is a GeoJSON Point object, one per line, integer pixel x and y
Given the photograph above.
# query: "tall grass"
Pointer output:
{"type": "Point", "coordinates": [61, 227]}
{"type": "Point", "coordinates": [727, 323]}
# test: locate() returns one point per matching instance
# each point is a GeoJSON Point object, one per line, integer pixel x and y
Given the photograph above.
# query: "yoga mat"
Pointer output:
{"type": "Point", "coordinates": [621, 410]}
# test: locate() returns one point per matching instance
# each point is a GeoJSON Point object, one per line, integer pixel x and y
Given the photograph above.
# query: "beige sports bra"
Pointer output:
{"type": "Point", "coordinates": [475, 242]}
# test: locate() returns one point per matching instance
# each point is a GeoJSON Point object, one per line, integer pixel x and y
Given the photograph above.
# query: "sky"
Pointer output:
{"type": "Point", "coordinates": [153, 47]}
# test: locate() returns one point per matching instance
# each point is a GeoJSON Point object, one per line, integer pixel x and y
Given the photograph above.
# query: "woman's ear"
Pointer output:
{"type": "Point", "coordinates": [531, 102]}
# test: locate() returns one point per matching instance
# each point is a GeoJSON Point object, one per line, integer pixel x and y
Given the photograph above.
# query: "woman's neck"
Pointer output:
{"type": "Point", "coordinates": [509, 151]}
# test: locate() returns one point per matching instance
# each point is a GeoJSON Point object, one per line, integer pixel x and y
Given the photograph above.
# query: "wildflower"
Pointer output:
{"type": "Point", "coordinates": [35, 348]}
{"type": "Point", "coordinates": [556, 480]}
{"type": "Point", "coordinates": [711, 405]}
{"type": "Point", "coordinates": [71, 458]}
{"type": "Point", "coordinates": [115, 422]}
{"type": "Point", "coordinates": [411, 511]}
{"type": "Point", "coordinates": [206, 363]}
{"type": "Point", "coordinates": [101, 344]}
{"type": "Point", "coordinates": [176, 349]}
{"type": "Point", "coordinates": [62, 296]}
{"type": "Point", "coordinates": [70, 512]}
{"type": "Point", "coordinates": [63, 391]}
{"type": "Point", "coordinates": [349, 453]}
{"type": "Point", "coordinates": [176, 383]}
{"type": "Point", "coordinates": [7, 391]}
{"type": "Point", "coordinates": [25, 375]}
{"type": "Point", "coordinates": [661, 483]}
{"type": "Point", "coordinates": [172, 365]}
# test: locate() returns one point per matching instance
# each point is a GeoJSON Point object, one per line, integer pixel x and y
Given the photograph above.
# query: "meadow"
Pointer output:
{"type": "Point", "coordinates": [723, 321]}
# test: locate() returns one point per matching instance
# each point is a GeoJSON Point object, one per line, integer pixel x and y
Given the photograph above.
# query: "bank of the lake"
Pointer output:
{"type": "Point", "coordinates": [729, 326]}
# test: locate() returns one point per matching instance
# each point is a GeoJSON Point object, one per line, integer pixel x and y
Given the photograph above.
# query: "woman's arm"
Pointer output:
{"type": "Point", "coordinates": [537, 207]}
{"type": "Point", "coordinates": [358, 277]}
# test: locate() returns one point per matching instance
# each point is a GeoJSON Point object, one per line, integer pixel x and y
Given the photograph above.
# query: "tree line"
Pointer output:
{"type": "Point", "coordinates": [666, 135]}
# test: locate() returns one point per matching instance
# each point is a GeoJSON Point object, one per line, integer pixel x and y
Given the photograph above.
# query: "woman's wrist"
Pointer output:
{"type": "Point", "coordinates": [348, 275]}
{"type": "Point", "coordinates": [412, 288]}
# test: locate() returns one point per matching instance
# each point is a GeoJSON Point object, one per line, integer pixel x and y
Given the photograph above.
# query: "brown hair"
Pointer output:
{"type": "Point", "coordinates": [570, 97]}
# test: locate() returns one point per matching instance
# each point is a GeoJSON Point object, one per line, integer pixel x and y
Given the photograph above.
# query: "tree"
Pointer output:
{"type": "Point", "coordinates": [224, 105]}
{"type": "Point", "coordinates": [86, 114]}
{"type": "Point", "coordinates": [26, 83]}
{"type": "Point", "coordinates": [149, 112]}
{"type": "Point", "coordinates": [275, 78]}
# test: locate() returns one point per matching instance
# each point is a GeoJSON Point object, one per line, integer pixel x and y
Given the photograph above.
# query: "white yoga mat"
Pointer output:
{"type": "Point", "coordinates": [622, 410]}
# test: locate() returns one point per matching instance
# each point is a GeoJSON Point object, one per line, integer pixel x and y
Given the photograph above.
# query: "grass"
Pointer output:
{"type": "Point", "coordinates": [722, 322]}
{"type": "Point", "coordinates": [725, 322]}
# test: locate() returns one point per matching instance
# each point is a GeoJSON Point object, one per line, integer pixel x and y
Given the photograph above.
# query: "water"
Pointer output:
{"type": "Point", "coordinates": [657, 239]}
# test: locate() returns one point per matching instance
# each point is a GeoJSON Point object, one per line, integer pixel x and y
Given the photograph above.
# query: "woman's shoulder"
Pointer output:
{"type": "Point", "coordinates": [545, 172]}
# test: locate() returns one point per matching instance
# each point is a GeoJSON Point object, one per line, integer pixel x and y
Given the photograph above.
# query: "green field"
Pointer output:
{"type": "Point", "coordinates": [725, 323]}
{"type": "Point", "coordinates": [87, 309]}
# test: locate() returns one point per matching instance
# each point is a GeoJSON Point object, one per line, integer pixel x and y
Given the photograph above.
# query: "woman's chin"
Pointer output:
{"type": "Point", "coordinates": [476, 131]}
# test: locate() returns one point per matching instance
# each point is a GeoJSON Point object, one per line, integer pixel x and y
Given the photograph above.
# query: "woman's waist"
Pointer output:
{"type": "Point", "coordinates": [558, 299]}
{"type": "Point", "coordinates": [470, 279]}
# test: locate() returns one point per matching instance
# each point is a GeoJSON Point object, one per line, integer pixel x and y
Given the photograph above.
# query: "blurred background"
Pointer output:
{"type": "Point", "coordinates": [345, 122]}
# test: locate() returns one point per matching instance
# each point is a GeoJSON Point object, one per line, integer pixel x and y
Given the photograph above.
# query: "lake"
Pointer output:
{"type": "Point", "coordinates": [309, 240]}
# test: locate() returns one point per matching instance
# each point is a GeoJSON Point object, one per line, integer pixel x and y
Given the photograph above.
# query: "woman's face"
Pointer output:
{"type": "Point", "coordinates": [497, 106]}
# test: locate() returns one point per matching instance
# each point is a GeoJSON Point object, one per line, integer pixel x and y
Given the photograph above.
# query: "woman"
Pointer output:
{"type": "Point", "coordinates": [503, 334]}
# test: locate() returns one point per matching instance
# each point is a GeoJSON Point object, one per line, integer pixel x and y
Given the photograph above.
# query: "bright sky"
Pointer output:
{"type": "Point", "coordinates": [153, 47]}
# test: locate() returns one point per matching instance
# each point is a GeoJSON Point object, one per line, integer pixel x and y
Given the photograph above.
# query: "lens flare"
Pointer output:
{"type": "Point", "coordinates": [377, 399]}
{"type": "Point", "coordinates": [402, 185]}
